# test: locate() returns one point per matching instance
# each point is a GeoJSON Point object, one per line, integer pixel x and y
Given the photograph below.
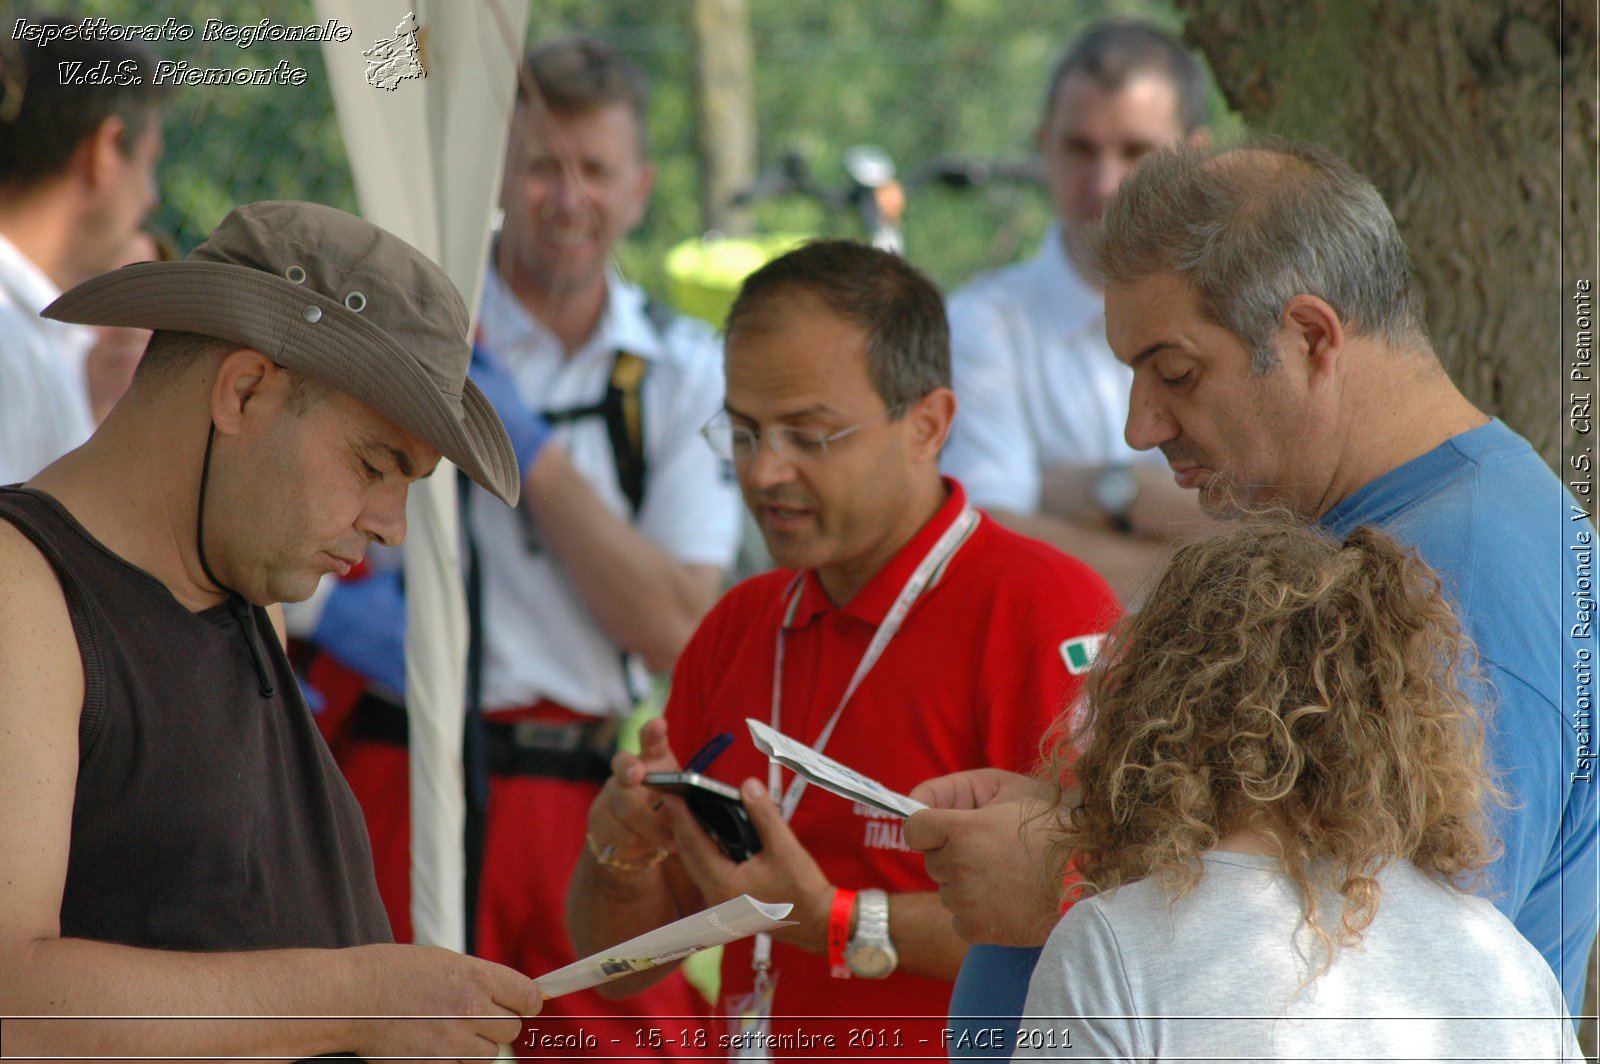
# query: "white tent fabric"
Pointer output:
{"type": "Point", "coordinates": [427, 156]}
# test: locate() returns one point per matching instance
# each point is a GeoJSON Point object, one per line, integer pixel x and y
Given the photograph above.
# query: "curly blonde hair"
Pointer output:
{"type": "Point", "coordinates": [1278, 681]}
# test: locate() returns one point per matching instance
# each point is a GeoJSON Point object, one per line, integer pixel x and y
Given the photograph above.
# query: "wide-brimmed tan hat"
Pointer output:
{"type": "Point", "coordinates": [330, 295]}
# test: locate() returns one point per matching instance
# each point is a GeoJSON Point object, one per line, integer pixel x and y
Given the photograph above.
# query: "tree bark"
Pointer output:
{"type": "Point", "coordinates": [725, 118]}
{"type": "Point", "coordinates": [1477, 123]}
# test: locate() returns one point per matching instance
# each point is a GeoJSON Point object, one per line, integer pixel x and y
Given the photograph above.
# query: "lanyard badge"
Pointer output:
{"type": "Point", "coordinates": [921, 577]}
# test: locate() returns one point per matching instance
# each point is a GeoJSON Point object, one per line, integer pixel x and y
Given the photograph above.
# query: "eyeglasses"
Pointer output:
{"type": "Point", "coordinates": [739, 444]}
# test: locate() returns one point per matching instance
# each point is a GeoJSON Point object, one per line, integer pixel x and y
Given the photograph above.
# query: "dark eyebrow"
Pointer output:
{"type": "Point", "coordinates": [402, 461]}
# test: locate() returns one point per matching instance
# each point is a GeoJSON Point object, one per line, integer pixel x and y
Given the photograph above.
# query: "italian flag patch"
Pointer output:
{"type": "Point", "coordinates": [1079, 653]}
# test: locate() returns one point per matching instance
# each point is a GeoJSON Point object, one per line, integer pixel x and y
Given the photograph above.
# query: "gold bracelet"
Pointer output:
{"type": "Point", "coordinates": [605, 857]}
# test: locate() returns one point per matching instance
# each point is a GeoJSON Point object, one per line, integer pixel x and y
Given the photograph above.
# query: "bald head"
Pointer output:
{"type": "Point", "coordinates": [1250, 228]}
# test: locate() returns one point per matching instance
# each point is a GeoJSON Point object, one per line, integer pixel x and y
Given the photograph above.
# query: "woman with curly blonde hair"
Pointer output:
{"type": "Point", "coordinates": [1282, 797]}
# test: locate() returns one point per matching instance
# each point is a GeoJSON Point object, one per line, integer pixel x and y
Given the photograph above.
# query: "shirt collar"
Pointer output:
{"type": "Point", "coordinates": [873, 602]}
{"type": "Point", "coordinates": [1076, 304]}
{"type": "Point", "coordinates": [623, 324]}
{"type": "Point", "coordinates": [31, 287]}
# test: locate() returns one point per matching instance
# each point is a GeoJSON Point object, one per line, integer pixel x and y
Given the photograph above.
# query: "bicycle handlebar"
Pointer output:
{"type": "Point", "coordinates": [792, 177]}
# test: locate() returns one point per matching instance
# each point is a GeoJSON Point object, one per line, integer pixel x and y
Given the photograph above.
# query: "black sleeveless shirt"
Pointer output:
{"type": "Point", "coordinates": [207, 817]}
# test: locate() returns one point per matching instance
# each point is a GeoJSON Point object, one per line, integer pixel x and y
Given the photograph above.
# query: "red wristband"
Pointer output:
{"type": "Point", "coordinates": [844, 903]}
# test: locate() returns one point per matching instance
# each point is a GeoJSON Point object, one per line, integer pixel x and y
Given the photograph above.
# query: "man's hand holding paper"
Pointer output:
{"type": "Point", "coordinates": [984, 843]}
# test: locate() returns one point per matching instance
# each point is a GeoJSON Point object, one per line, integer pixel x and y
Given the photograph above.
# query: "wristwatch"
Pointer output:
{"type": "Point", "coordinates": [871, 953]}
{"type": "Point", "coordinates": [1115, 493]}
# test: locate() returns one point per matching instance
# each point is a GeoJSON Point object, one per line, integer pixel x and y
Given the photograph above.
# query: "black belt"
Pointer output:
{"type": "Point", "coordinates": [562, 751]}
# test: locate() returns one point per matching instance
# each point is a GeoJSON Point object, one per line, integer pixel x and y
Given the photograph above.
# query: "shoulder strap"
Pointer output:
{"type": "Point", "coordinates": [623, 411]}
{"type": "Point", "coordinates": [624, 415]}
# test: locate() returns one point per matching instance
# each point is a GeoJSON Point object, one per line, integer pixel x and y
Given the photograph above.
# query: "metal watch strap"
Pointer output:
{"type": "Point", "coordinates": [872, 931]}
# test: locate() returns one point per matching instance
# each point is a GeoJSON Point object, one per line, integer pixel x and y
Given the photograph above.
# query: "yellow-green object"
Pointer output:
{"type": "Point", "coordinates": [704, 274]}
{"type": "Point", "coordinates": [704, 972]}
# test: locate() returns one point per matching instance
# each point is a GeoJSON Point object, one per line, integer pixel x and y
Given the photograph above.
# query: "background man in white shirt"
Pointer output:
{"type": "Point", "coordinates": [617, 549]}
{"type": "Point", "coordinates": [1039, 441]}
{"type": "Point", "coordinates": [77, 177]}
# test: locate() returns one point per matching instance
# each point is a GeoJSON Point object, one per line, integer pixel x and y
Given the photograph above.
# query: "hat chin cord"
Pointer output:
{"type": "Point", "coordinates": [242, 614]}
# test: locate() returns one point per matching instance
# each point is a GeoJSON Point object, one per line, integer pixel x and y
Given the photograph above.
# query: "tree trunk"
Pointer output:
{"type": "Point", "coordinates": [1477, 122]}
{"type": "Point", "coordinates": [725, 118]}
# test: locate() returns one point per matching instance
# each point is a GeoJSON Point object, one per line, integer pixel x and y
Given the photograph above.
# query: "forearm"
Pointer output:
{"type": "Point", "coordinates": [74, 977]}
{"type": "Point", "coordinates": [1160, 509]}
{"type": "Point", "coordinates": [644, 599]}
{"type": "Point", "coordinates": [924, 936]}
{"type": "Point", "coordinates": [1166, 512]}
{"type": "Point", "coordinates": [1124, 561]}
{"type": "Point", "coordinates": [607, 906]}
{"type": "Point", "coordinates": [919, 926]}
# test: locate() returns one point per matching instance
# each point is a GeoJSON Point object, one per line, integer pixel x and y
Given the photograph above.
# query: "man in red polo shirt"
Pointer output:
{"type": "Point", "coordinates": [906, 635]}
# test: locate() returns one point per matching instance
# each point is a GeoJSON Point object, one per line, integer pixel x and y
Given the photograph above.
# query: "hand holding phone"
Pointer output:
{"type": "Point", "coordinates": [717, 808]}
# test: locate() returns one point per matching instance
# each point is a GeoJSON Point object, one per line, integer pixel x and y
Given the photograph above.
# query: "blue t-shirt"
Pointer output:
{"type": "Point", "coordinates": [1515, 554]}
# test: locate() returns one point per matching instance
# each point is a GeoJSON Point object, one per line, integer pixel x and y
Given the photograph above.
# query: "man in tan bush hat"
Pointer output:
{"type": "Point", "coordinates": [174, 837]}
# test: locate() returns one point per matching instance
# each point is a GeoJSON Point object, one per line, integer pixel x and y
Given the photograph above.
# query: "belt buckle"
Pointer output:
{"type": "Point", "coordinates": [537, 735]}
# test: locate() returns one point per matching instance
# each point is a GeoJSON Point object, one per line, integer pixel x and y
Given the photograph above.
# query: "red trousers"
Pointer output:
{"type": "Point", "coordinates": [534, 836]}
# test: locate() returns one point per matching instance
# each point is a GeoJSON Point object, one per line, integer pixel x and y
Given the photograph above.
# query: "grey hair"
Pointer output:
{"type": "Point", "coordinates": [1249, 229]}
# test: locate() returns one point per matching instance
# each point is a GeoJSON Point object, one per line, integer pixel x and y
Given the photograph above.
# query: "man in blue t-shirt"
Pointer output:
{"type": "Point", "coordinates": [1264, 300]}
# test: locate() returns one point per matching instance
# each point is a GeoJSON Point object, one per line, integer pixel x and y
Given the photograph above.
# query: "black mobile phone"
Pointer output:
{"type": "Point", "coordinates": [716, 806]}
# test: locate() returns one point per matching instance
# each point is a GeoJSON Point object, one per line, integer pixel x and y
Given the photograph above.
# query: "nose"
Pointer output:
{"type": "Point", "coordinates": [571, 192]}
{"type": "Point", "coordinates": [1107, 174]}
{"type": "Point", "coordinates": [1150, 422]}
{"type": "Point", "coordinates": [384, 516]}
{"type": "Point", "coordinates": [769, 466]}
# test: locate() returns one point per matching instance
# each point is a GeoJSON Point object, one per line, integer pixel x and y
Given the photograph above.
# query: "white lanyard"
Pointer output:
{"type": "Point", "coordinates": [932, 562]}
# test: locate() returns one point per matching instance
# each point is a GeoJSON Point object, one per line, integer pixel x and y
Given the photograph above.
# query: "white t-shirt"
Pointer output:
{"type": "Point", "coordinates": [540, 641]}
{"type": "Point", "coordinates": [1438, 975]}
{"type": "Point", "coordinates": [1036, 384]}
{"type": "Point", "coordinates": [44, 396]}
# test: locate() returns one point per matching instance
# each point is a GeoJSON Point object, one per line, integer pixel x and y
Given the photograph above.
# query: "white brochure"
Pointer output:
{"type": "Point", "coordinates": [734, 919]}
{"type": "Point", "coordinates": [827, 773]}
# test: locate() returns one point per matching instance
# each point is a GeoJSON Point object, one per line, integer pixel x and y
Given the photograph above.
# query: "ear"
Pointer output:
{"type": "Point", "coordinates": [929, 421]}
{"type": "Point", "coordinates": [243, 376]}
{"type": "Point", "coordinates": [1199, 137]}
{"type": "Point", "coordinates": [100, 153]}
{"type": "Point", "coordinates": [641, 192]}
{"type": "Point", "coordinates": [1311, 329]}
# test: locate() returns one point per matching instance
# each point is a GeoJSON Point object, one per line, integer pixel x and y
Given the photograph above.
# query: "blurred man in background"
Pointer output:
{"type": "Point", "coordinates": [1039, 440]}
{"type": "Point", "coordinates": [77, 177]}
{"type": "Point", "coordinates": [109, 365]}
{"type": "Point", "coordinates": [617, 549]}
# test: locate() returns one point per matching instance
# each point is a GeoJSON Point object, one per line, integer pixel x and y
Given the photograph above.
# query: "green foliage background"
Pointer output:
{"type": "Point", "coordinates": [921, 78]}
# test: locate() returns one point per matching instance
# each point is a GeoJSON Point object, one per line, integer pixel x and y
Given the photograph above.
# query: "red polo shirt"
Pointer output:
{"type": "Point", "coordinates": [975, 675]}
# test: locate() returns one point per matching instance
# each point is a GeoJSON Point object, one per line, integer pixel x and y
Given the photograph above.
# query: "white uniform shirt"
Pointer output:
{"type": "Point", "coordinates": [44, 396]}
{"type": "Point", "coordinates": [540, 641]}
{"type": "Point", "coordinates": [1036, 384]}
